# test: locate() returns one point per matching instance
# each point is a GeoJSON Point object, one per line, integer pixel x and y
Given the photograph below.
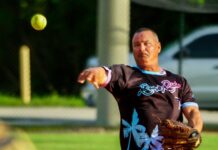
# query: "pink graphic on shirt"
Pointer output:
{"type": "Point", "coordinates": [166, 85]}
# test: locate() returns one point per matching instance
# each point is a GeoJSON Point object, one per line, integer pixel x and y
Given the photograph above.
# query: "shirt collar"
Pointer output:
{"type": "Point", "coordinates": [162, 72]}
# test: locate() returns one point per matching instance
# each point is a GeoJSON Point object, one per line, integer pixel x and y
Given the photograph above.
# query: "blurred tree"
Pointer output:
{"type": "Point", "coordinates": [9, 46]}
{"type": "Point", "coordinates": [59, 52]}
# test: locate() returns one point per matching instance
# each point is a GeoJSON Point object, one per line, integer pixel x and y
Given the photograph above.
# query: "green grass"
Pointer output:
{"type": "Point", "coordinates": [76, 141]}
{"type": "Point", "coordinates": [49, 100]}
{"type": "Point", "coordinates": [97, 141]}
{"type": "Point", "coordinates": [209, 141]}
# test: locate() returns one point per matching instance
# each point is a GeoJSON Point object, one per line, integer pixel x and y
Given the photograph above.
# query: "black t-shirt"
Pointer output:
{"type": "Point", "coordinates": [143, 99]}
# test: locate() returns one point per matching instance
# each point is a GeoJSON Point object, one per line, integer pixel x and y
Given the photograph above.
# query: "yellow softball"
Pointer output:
{"type": "Point", "coordinates": [38, 22]}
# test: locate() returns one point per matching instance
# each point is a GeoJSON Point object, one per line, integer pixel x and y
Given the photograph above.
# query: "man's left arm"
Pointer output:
{"type": "Point", "coordinates": [193, 116]}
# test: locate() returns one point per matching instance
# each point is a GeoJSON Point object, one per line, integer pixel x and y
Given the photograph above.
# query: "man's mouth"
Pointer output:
{"type": "Point", "coordinates": [143, 55]}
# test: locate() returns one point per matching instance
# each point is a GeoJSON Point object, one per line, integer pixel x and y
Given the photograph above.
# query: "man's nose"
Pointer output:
{"type": "Point", "coordinates": [142, 46]}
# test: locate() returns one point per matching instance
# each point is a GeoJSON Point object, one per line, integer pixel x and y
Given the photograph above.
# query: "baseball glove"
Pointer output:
{"type": "Point", "coordinates": [178, 136]}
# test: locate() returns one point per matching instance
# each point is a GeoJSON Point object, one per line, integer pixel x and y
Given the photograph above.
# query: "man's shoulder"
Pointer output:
{"type": "Point", "coordinates": [170, 73]}
{"type": "Point", "coordinates": [123, 69]}
{"type": "Point", "coordinates": [122, 66]}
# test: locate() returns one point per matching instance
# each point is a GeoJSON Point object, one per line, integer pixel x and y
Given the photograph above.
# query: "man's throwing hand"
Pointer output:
{"type": "Point", "coordinates": [96, 76]}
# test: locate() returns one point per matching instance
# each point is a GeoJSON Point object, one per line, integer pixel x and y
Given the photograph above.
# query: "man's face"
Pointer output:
{"type": "Point", "coordinates": [146, 48]}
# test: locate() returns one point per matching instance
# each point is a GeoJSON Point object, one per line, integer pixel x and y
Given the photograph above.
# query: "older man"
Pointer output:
{"type": "Point", "coordinates": [144, 93]}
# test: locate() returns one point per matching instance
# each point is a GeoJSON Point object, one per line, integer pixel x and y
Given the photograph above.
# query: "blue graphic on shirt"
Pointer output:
{"type": "Point", "coordinates": [167, 85]}
{"type": "Point", "coordinates": [141, 138]}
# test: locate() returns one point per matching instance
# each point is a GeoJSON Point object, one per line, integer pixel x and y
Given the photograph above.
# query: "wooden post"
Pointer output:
{"type": "Point", "coordinates": [25, 87]}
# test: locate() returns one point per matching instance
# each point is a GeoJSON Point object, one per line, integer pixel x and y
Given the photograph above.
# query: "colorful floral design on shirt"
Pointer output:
{"type": "Point", "coordinates": [141, 138]}
{"type": "Point", "coordinates": [149, 90]}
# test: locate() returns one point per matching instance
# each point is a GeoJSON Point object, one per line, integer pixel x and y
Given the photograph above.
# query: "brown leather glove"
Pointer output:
{"type": "Point", "coordinates": [178, 136]}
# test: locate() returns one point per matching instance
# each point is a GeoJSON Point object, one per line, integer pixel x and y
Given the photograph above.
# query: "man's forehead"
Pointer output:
{"type": "Point", "coordinates": [143, 34]}
{"type": "Point", "coordinates": [147, 32]}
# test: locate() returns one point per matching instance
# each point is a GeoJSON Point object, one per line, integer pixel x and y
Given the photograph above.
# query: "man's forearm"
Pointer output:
{"type": "Point", "coordinates": [195, 120]}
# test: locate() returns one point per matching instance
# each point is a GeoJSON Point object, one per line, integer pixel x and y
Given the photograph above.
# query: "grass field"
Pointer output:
{"type": "Point", "coordinates": [74, 140]}
{"type": "Point", "coordinates": [97, 141]}
{"type": "Point", "coordinates": [46, 100]}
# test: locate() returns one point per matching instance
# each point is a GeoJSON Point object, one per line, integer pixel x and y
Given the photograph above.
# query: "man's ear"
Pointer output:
{"type": "Point", "coordinates": [159, 47]}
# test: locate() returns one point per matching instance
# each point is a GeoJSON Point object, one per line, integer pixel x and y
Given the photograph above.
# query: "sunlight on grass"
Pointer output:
{"type": "Point", "coordinates": [77, 141]}
{"type": "Point", "coordinates": [209, 141]}
{"type": "Point", "coordinates": [48, 100]}
{"type": "Point", "coordinates": [97, 141]}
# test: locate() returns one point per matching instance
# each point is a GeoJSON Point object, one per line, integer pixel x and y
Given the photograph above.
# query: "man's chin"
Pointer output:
{"type": "Point", "coordinates": [143, 64]}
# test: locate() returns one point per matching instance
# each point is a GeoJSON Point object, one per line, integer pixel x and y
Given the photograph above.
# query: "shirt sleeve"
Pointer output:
{"type": "Point", "coordinates": [188, 98]}
{"type": "Point", "coordinates": [108, 77]}
{"type": "Point", "coordinates": [118, 79]}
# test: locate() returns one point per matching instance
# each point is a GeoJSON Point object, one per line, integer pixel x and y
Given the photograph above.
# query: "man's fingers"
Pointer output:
{"type": "Point", "coordinates": [81, 78]}
{"type": "Point", "coordinates": [85, 75]}
{"type": "Point", "coordinates": [92, 79]}
{"type": "Point", "coordinates": [96, 85]}
{"type": "Point", "coordinates": [88, 76]}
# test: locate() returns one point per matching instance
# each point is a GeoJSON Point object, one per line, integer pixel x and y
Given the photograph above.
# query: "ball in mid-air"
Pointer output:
{"type": "Point", "coordinates": [38, 22]}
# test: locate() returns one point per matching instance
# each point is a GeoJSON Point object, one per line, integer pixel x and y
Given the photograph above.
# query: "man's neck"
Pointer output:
{"type": "Point", "coordinates": [155, 68]}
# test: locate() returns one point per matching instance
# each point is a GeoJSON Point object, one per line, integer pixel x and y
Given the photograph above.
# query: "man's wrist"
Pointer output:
{"type": "Point", "coordinates": [108, 74]}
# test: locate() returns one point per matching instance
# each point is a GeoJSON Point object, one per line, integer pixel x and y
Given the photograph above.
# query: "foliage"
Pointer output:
{"type": "Point", "coordinates": [59, 52]}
